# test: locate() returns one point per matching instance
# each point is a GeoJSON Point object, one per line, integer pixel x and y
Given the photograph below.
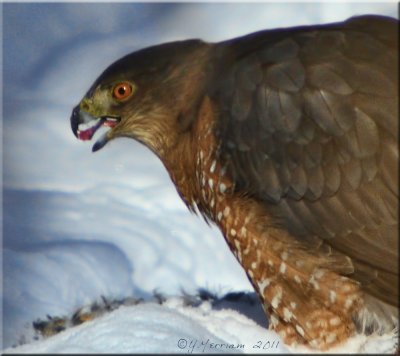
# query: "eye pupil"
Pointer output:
{"type": "Point", "coordinates": [121, 90]}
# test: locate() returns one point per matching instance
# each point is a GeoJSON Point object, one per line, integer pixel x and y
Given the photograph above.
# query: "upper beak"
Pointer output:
{"type": "Point", "coordinates": [75, 120]}
{"type": "Point", "coordinates": [84, 126]}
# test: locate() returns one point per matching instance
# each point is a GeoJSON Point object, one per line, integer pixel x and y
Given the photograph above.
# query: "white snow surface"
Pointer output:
{"type": "Point", "coordinates": [77, 225]}
{"type": "Point", "coordinates": [177, 329]}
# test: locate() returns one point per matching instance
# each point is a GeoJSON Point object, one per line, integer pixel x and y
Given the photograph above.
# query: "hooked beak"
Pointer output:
{"type": "Point", "coordinates": [84, 126]}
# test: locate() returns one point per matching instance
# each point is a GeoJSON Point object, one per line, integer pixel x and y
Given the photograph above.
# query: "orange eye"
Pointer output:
{"type": "Point", "coordinates": [122, 91]}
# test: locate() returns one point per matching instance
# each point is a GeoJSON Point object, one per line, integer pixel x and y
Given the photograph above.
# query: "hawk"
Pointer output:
{"type": "Point", "coordinates": [287, 140]}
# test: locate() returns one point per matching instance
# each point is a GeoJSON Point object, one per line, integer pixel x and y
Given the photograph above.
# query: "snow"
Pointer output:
{"type": "Point", "coordinates": [178, 329]}
{"type": "Point", "coordinates": [77, 225]}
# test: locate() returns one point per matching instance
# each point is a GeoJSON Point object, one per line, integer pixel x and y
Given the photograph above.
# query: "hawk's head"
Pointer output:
{"type": "Point", "coordinates": [148, 95]}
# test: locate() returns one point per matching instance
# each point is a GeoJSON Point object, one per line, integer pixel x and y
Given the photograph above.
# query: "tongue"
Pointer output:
{"type": "Point", "coordinates": [87, 134]}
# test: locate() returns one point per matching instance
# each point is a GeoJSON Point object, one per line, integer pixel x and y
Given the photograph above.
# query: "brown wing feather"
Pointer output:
{"type": "Point", "coordinates": [309, 124]}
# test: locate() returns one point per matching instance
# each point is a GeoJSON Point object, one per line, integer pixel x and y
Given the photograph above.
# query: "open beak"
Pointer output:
{"type": "Point", "coordinates": [84, 126]}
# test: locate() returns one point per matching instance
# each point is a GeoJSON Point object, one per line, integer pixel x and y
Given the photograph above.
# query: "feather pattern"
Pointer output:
{"type": "Point", "coordinates": [312, 130]}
